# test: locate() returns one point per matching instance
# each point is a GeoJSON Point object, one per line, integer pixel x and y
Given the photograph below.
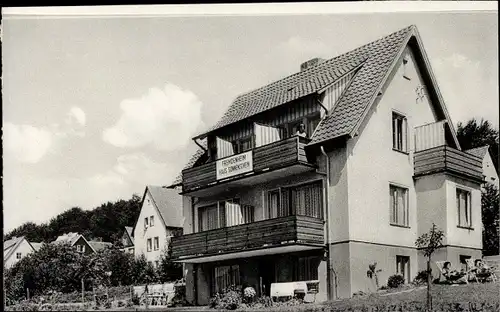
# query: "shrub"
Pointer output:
{"type": "Point", "coordinates": [249, 294]}
{"type": "Point", "coordinates": [135, 299]}
{"type": "Point", "coordinates": [421, 278]}
{"type": "Point", "coordinates": [395, 281]}
{"type": "Point", "coordinates": [179, 298]}
{"type": "Point", "coordinates": [230, 299]}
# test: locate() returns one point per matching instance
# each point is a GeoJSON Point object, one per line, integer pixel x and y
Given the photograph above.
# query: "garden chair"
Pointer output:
{"type": "Point", "coordinates": [492, 269]}
{"type": "Point", "coordinates": [471, 270]}
{"type": "Point", "coordinates": [440, 265]}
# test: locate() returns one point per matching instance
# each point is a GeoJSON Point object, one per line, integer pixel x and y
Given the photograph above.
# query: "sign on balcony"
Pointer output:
{"type": "Point", "coordinates": [234, 165]}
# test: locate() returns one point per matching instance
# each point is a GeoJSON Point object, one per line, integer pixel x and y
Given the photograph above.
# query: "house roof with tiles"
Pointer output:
{"type": "Point", "coordinates": [169, 204]}
{"type": "Point", "coordinates": [479, 151]}
{"type": "Point", "coordinates": [372, 63]}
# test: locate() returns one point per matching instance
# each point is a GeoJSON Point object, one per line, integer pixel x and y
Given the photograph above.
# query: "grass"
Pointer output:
{"type": "Point", "coordinates": [441, 294]}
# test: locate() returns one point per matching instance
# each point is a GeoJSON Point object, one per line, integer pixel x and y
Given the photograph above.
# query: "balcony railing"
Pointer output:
{"type": "Point", "coordinates": [447, 159]}
{"type": "Point", "coordinates": [291, 230]}
{"type": "Point", "coordinates": [269, 157]}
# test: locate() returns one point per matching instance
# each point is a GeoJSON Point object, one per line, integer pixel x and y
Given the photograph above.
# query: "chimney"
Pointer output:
{"type": "Point", "coordinates": [312, 62]}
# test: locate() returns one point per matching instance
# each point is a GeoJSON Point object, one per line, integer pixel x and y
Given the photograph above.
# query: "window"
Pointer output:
{"type": "Point", "coordinates": [80, 248]}
{"type": "Point", "coordinates": [399, 133]}
{"type": "Point", "coordinates": [225, 276]}
{"type": "Point", "coordinates": [399, 206]}
{"type": "Point", "coordinates": [146, 223]}
{"type": "Point", "coordinates": [464, 208]}
{"type": "Point", "coordinates": [242, 145]}
{"type": "Point", "coordinates": [18, 255]}
{"type": "Point", "coordinates": [403, 267]}
{"type": "Point", "coordinates": [305, 200]}
{"type": "Point", "coordinates": [151, 221]}
{"type": "Point", "coordinates": [307, 269]}
{"type": "Point", "coordinates": [157, 243]}
{"type": "Point", "coordinates": [149, 245]}
{"type": "Point", "coordinates": [463, 261]}
{"type": "Point", "coordinates": [224, 213]}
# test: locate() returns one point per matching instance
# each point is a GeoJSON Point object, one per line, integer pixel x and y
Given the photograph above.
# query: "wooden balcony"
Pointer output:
{"type": "Point", "coordinates": [447, 159]}
{"type": "Point", "coordinates": [278, 232]}
{"type": "Point", "coordinates": [267, 158]}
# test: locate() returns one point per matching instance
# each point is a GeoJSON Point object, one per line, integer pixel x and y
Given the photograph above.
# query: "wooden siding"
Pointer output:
{"type": "Point", "coordinates": [333, 93]}
{"type": "Point", "coordinates": [262, 234]}
{"type": "Point", "coordinates": [430, 135]}
{"type": "Point", "coordinates": [276, 117]}
{"type": "Point", "coordinates": [272, 156]}
{"type": "Point", "coordinates": [447, 159]}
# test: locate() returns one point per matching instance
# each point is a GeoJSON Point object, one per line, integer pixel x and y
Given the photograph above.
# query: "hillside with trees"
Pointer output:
{"type": "Point", "coordinates": [106, 221]}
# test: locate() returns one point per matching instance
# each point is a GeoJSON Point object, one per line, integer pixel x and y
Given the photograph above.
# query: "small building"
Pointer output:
{"type": "Point", "coordinates": [489, 171]}
{"type": "Point", "coordinates": [76, 240]}
{"type": "Point", "coordinates": [160, 218]}
{"type": "Point", "coordinates": [127, 240]}
{"type": "Point", "coordinates": [36, 246]}
{"type": "Point", "coordinates": [15, 249]}
{"type": "Point", "coordinates": [98, 244]}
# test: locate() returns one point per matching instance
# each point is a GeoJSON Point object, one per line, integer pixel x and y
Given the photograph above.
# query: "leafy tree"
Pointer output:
{"type": "Point", "coordinates": [143, 272]}
{"type": "Point", "coordinates": [479, 133]}
{"type": "Point", "coordinates": [106, 221]}
{"type": "Point", "coordinates": [120, 265]}
{"type": "Point", "coordinates": [168, 270]}
{"type": "Point", "coordinates": [490, 216]}
{"type": "Point", "coordinates": [430, 242]}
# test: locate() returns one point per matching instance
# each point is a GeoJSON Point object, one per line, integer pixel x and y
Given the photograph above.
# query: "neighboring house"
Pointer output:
{"type": "Point", "coordinates": [14, 250]}
{"type": "Point", "coordinates": [489, 170]}
{"type": "Point", "coordinates": [128, 240]}
{"type": "Point", "coordinates": [36, 246]}
{"type": "Point", "coordinates": [160, 218]}
{"type": "Point", "coordinates": [379, 163]}
{"type": "Point", "coordinates": [98, 244]}
{"type": "Point", "coordinates": [76, 240]}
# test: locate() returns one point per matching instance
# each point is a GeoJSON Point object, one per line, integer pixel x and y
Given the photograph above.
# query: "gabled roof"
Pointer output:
{"type": "Point", "coordinates": [71, 238]}
{"type": "Point", "coordinates": [10, 246]}
{"type": "Point", "coordinates": [96, 245]}
{"type": "Point", "coordinates": [298, 85]}
{"type": "Point", "coordinates": [36, 246]}
{"type": "Point", "coordinates": [168, 202]}
{"type": "Point", "coordinates": [479, 151]}
{"type": "Point", "coordinates": [372, 63]}
{"type": "Point", "coordinates": [130, 232]}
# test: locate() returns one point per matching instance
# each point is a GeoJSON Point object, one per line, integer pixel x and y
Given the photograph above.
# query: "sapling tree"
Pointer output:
{"type": "Point", "coordinates": [430, 242]}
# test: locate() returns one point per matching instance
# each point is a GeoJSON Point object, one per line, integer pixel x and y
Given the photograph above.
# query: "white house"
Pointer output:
{"type": "Point", "coordinates": [489, 170]}
{"type": "Point", "coordinates": [77, 240]}
{"type": "Point", "coordinates": [160, 218]}
{"type": "Point", "coordinates": [128, 240]}
{"type": "Point", "coordinates": [15, 249]}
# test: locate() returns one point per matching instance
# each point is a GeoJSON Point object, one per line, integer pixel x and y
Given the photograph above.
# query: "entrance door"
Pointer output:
{"type": "Point", "coordinates": [266, 276]}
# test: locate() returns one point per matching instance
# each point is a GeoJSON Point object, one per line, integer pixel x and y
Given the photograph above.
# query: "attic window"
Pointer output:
{"type": "Point", "coordinates": [406, 74]}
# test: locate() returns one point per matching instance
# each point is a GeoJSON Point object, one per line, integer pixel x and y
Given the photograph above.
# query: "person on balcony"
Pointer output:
{"type": "Point", "coordinates": [301, 131]}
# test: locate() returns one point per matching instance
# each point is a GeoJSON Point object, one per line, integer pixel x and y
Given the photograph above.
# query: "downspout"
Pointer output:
{"type": "Point", "coordinates": [329, 266]}
{"type": "Point", "coordinates": [195, 266]}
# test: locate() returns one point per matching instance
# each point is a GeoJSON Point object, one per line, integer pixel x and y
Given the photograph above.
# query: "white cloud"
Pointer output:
{"type": "Point", "coordinates": [76, 114]}
{"type": "Point", "coordinates": [26, 143]}
{"type": "Point", "coordinates": [165, 119]}
{"type": "Point", "coordinates": [130, 174]}
{"type": "Point", "coordinates": [466, 88]}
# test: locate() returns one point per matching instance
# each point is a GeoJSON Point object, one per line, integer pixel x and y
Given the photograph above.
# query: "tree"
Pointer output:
{"type": "Point", "coordinates": [430, 242]}
{"type": "Point", "coordinates": [490, 216]}
{"type": "Point", "coordinates": [168, 270]}
{"type": "Point", "coordinates": [479, 133]}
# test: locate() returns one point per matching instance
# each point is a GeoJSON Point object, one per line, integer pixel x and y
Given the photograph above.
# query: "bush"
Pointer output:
{"type": "Point", "coordinates": [179, 298]}
{"type": "Point", "coordinates": [395, 281]}
{"type": "Point", "coordinates": [230, 299]}
{"type": "Point", "coordinates": [135, 299]}
{"type": "Point", "coordinates": [421, 278]}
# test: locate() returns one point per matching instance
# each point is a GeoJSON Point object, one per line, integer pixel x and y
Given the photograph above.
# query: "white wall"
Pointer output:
{"type": "Point", "coordinates": [373, 164]}
{"type": "Point", "coordinates": [489, 170]}
{"type": "Point", "coordinates": [459, 236]}
{"type": "Point", "coordinates": [158, 230]}
{"type": "Point", "coordinates": [24, 248]}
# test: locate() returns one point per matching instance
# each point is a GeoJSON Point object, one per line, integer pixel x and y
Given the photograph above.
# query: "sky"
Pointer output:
{"type": "Point", "coordinates": [95, 109]}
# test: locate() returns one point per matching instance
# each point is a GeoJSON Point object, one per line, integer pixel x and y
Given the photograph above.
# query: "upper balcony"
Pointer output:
{"type": "Point", "coordinates": [433, 155]}
{"type": "Point", "coordinates": [254, 166]}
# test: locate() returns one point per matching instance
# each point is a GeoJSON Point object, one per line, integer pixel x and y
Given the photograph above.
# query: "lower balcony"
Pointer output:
{"type": "Point", "coordinates": [272, 236]}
